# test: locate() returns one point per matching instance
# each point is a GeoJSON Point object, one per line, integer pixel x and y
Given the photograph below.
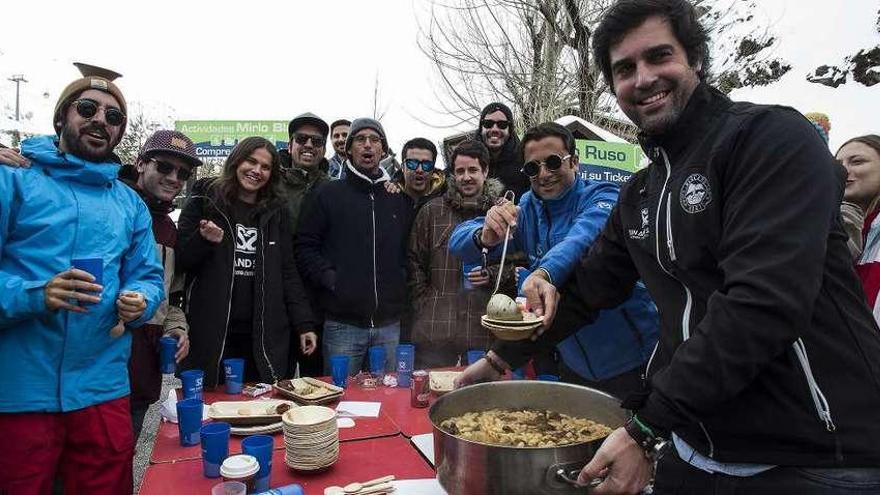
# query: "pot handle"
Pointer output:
{"type": "Point", "coordinates": [568, 474]}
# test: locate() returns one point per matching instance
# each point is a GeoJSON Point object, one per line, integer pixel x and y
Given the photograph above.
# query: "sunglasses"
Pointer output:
{"type": "Point", "coordinates": [551, 163]}
{"type": "Point", "coordinates": [166, 168]}
{"type": "Point", "coordinates": [87, 109]}
{"type": "Point", "coordinates": [302, 139]}
{"type": "Point", "coordinates": [413, 164]}
{"type": "Point", "coordinates": [501, 124]}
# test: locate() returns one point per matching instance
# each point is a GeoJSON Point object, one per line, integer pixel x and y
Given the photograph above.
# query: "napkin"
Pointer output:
{"type": "Point", "coordinates": [168, 409]}
{"type": "Point", "coordinates": [358, 409]}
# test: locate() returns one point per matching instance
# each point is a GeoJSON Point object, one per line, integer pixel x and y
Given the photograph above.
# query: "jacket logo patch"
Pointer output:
{"type": "Point", "coordinates": [695, 193]}
{"type": "Point", "coordinates": [643, 232]}
{"type": "Point", "coordinates": [245, 239]}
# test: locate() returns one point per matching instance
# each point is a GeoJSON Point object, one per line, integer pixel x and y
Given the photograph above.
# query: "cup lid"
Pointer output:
{"type": "Point", "coordinates": [239, 466]}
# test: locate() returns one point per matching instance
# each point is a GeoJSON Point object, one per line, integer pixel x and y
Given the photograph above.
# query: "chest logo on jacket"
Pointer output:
{"type": "Point", "coordinates": [695, 193]}
{"type": "Point", "coordinates": [245, 239]}
{"type": "Point", "coordinates": [644, 231]}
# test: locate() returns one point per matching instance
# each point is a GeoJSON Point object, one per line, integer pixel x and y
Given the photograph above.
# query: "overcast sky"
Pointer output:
{"type": "Point", "coordinates": [273, 60]}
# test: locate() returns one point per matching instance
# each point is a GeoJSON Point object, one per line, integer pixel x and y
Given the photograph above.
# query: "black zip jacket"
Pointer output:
{"type": "Point", "coordinates": [768, 352]}
{"type": "Point", "coordinates": [281, 309]}
{"type": "Point", "coordinates": [352, 246]}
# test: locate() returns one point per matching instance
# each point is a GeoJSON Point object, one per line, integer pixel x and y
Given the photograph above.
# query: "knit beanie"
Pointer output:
{"type": "Point", "coordinates": [93, 78]}
{"type": "Point", "coordinates": [821, 123]}
{"type": "Point", "coordinates": [366, 123]}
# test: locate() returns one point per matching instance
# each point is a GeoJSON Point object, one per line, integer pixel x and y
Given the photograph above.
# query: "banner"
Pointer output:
{"type": "Point", "coordinates": [610, 162]}
{"type": "Point", "coordinates": [216, 138]}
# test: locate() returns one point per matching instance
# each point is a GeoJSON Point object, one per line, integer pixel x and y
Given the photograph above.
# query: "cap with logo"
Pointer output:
{"type": "Point", "coordinates": [173, 142]}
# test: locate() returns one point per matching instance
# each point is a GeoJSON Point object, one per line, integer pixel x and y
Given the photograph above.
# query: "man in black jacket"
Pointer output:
{"type": "Point", "coordinates": [352, 245]}
{"type": "Point", "coordinates": [766, 378]}
{"type": "Point", "coordinates": [497, 131]}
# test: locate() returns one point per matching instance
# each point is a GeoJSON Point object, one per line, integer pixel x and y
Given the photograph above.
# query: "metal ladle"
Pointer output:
{"type": "Point", "coordinates": [511, 197]}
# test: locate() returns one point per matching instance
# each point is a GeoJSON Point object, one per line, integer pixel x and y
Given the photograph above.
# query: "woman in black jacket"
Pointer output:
{"type": "Point", "coordinates": [243, 295]}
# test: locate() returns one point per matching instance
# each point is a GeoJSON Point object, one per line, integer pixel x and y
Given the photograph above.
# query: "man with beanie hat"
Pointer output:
{"type": "Point", "coordinates": [166, 160]}
{"type": "Point", "coordinates": [308, 140]}
{"type": "Point", "coordinates": [497, 131]}
{"type": "Point", "coordinates": [338, 135]}
{"type": "Point", "coordinates": [352, 246]}
{"type": "Point", "coordinates": [76, 256]}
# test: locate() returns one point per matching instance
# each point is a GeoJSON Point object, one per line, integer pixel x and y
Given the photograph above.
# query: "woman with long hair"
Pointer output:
{"type": "Point", "coordinates": [861, 158]}
{"type": "Point", "coordinates": [244, 296]}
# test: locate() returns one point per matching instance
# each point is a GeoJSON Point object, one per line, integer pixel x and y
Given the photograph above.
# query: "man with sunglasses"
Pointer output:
{"type": "Point", "coordinates": [65, 410]}
{"type": "Point", "coordinates": [308, 141]}
{"type": "Point", "coordinates": [497, 131]}
{"type": "Point", "coordinates": [420, 179]}
{"type": "Point", "coordinates": [165, 162]}
{"type": "Point", "coordinates": [351, 246]}
{"type": "Point", "coordinates": [556, 223]}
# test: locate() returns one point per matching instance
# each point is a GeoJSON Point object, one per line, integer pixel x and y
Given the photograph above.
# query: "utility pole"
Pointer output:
{"type": "Point", "coordinates": [17, 79]}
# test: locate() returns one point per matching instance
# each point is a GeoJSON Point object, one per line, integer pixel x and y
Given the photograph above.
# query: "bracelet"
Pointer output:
{"type": "Point", "coordinates": [643, 435]}
{"type": "Point", "coordinates": [494, 364]}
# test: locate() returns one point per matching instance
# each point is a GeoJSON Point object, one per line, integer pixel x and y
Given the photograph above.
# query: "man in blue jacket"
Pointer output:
{"type": "Point", "coordinates": [559, 218]}
{"type": "Point", "coordinates": [64, 405]}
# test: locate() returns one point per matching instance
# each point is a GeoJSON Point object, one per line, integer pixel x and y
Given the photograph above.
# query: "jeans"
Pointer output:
{"type": "Point", "coordinates": [355, 342]}
{"type": "Point", "coordinates": [674, 476]}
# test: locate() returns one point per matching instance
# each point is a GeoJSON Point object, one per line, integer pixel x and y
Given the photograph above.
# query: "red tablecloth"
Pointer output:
{"type": "Point", "coordinates": [358, 461]}
{"type": "Point", "coordinates": [396, 404]}
{"type": "Point", "coordinates": [168, 449]}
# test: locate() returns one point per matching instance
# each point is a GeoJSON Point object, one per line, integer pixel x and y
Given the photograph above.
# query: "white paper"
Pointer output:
{"type": "Point", "coordinates": [168, 409]}
{"type": "Point", "coordinates": [358, 409]}
{"type": "Point", "coordinates": [425, 444]}
{"type": "Point", "coordinates": [427, 486]}
{"type": "Point", "coordinates": [345, 423]}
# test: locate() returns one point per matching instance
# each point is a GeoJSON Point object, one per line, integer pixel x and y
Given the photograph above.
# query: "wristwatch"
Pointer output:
{"type": "Point", "coordinates": [643, 435]}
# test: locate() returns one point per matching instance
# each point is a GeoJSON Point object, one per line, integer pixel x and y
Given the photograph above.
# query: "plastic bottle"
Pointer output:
{"type": "Point", "coordinates": [284, 490]}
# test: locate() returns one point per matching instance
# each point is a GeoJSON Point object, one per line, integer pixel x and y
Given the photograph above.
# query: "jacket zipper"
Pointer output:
{"type": "Point", "coordinates": [822, 407]}
{"type": "Point", "coordinates": [670, 245]}
{"type": "Point", "coordinates": [263, 305]}
{"type": "Point", "coordinates": [229, 303]}
{"type": "Point", "coordinates": [375, 275]}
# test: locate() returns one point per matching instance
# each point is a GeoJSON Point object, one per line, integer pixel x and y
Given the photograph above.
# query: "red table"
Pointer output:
{"type": "Point", "coordinates": [396, 404]}
{"type": "Point", "coordinates": [168, 449]}
{"type": "Point", "coordinates": [358, 461]}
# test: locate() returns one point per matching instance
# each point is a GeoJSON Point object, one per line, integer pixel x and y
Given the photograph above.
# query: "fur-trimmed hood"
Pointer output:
{"type": "Point", "coordinates": [492, 190]}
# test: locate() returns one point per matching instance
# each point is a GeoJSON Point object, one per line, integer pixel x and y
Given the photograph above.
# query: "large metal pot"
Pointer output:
{"type": "Point", "coordinates": [470, 468]}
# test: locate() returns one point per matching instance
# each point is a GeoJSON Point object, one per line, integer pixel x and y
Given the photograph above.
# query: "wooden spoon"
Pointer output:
{"type": "Point", "coordinates": [377, 489]}
{"type": "Point", "coordinates": [357, 487]}
{"type": "Point", "coordinates": [334, 490]}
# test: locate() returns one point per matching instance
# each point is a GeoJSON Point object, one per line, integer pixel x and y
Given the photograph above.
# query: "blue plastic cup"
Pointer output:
{"type": "Point", "coordinates": [260, 446]}
{"type": "Point", "coordinates": [475, 355]}
{"type": "Point", "coordinates": [189, 421]}
{"type": "Point", "coordinates": [167, 349]}
{"type": "Point", "coordinates": [95, 266]}
{"type": "Point", "coordinates": [465, 269]}
{"type": "Point", "coordinates": [215, 447]}
{"type": "Point", "coordinates": [406, 355]}
{"type": "Point", "coordinates": [339, 370]}
{"type": "Point", "coordinates": [234, 368]}
{"type": "Point", "coordinates": [284, 490]}
{"type": "Point", "coordinates": [193, 382]}
{"type": "Point", "coordinates": [548, 378]}
{"type": "Point", "coordinates": [377, 359]}
{"type": "Point", "coordinates": [518, 374]}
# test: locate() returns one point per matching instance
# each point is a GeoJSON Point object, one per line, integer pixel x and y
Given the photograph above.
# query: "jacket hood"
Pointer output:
{"type": "Point", "coordinates": [492, 190]}
{"type": "Point", "coordinates": [44, 153]}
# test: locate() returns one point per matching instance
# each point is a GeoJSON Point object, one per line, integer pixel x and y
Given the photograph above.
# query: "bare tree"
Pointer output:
{"type": "Point", "coordinates": [535, 55]}
{"type": "Point", "coordinates": [139, 127]}
{"type": "Point", "coordinates": [864, 66]}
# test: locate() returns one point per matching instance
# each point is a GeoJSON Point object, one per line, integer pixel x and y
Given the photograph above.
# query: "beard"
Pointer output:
{"type": "Point", "coordinates": [75, 142]}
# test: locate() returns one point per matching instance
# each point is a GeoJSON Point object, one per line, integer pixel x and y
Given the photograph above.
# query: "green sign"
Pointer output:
{"type": "Point", "coordinates": [216, 138]}
{"type": "Point", "coordinates": [604, 161]}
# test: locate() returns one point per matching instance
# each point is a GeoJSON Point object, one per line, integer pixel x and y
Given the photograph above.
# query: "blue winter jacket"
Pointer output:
{"type": "Point", "coordinates": [554, 234]}
{"type": "Point", "coordinates": [60, 209]}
